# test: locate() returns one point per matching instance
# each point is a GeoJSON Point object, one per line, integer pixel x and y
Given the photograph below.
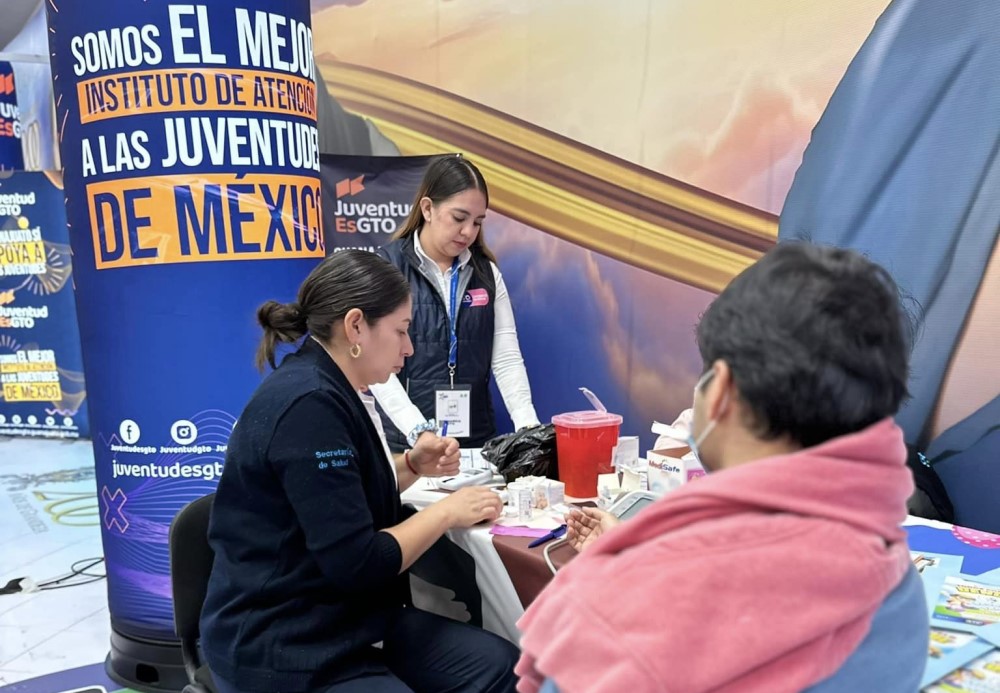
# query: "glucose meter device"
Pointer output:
{"type": "Point", "coordinates": [466, 477]}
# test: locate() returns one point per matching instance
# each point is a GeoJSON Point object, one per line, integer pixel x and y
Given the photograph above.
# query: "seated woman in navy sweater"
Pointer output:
{"type": "Point", "coordinates": [309, 590]}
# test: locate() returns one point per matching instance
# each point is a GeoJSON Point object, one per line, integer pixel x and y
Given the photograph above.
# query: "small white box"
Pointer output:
{"type": "Point", "coordinates": [626, 453]}
{"type": "Point", "coordinates": [547, 492]}
{"type": "Point", "coordinates": [636, 478]}
{"type": "Point", "coordinates": [667, 470]}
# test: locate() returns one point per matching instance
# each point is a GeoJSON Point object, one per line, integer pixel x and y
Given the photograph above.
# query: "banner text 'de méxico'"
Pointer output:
{"type": "Point", "coordinates": [30, 376]}
{"type": "Point", "coordinates": [212, 217]}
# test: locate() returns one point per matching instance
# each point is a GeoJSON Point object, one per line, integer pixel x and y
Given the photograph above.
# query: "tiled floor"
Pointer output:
{"type": "Point", "coordinates": [48, 521]}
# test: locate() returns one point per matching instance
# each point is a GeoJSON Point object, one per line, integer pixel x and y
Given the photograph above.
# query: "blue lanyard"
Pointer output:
{"type": "Point", "coordinates": [453, 323]}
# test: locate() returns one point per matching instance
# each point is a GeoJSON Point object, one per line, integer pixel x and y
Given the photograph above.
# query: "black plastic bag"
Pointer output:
{"type": "Point", "coordinates": [528, 452]}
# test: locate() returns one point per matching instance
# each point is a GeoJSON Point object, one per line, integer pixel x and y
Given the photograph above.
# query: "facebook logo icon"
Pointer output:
{"type": "Point", "coordinates": [129, 432]}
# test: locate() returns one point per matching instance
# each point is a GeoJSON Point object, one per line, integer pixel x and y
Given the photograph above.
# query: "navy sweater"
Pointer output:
{"type": "Point", "coordinates": [303, 581]}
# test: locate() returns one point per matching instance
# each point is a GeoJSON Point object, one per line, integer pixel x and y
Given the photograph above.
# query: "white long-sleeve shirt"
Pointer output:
{"type": "Point", "coordinates": [507, 362]}
{"type": "Point", "coordinates": [369, 403]}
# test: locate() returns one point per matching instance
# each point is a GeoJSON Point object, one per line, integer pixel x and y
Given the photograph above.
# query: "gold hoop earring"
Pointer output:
{"type": "Point", "coordinates": [356, 351]}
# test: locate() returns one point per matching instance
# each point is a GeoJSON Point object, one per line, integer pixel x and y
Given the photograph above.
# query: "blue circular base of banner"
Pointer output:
{"type": "Point", "coordinates": [88, 679]}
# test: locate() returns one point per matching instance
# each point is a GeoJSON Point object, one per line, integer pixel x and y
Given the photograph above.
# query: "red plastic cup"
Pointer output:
{"type": "Point", "coordinates": [584, 443]}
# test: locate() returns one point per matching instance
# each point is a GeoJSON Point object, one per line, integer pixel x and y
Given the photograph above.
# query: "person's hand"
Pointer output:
{"type": "Point", "coordinates": [435, 456]}
{"type": "Point", "coordinates": [471, 505]}
{"type": "Point", "coordinates": [585, 525]}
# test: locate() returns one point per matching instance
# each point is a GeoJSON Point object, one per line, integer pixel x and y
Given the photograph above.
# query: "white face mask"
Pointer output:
{"type": "Point", "coordinates": [695, 443]}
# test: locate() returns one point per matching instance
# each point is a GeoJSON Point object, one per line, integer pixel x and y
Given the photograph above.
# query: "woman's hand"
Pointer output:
{"type": "Point", "coordinates": [585, 525]}
{"type": "Point", "coordinates": [435, 456]}
{"type": "Point", "coordinates": [464, 508]}
{"type": "Point", "coordinates": [471, 505]}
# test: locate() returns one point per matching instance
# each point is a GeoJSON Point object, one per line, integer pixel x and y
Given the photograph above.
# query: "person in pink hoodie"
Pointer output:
{"type": "Point", "coordinates": [786, 568]}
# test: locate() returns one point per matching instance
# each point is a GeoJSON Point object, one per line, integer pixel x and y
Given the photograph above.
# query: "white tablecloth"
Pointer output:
{"type": "Point", "coordinates": [500, 605]}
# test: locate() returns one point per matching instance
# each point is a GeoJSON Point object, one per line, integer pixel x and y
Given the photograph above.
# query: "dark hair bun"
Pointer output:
{"type": "Point", "coordinates": [285, 320]}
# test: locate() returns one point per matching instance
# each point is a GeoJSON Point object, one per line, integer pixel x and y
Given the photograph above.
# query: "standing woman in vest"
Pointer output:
{"type": "Point", "coordinates": [463, 324]}
{"type": "Point", "coordinates": [309, 590]}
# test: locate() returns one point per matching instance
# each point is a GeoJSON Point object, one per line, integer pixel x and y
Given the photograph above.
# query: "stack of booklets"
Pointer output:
{"type": "Point", "coordinates": [965, 626]}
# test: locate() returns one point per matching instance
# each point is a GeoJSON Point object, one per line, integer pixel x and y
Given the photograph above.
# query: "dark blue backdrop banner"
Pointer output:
{"type": "Point", "coordinates": [40, 364]}
{"type": "Point", "coordinates": [188, 136]}
{"type": "Point", "coordinates": [368, 197]}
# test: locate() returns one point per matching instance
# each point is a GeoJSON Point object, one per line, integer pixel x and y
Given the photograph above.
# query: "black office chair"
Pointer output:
{"type": "Point", "coordinates": [191, 560]}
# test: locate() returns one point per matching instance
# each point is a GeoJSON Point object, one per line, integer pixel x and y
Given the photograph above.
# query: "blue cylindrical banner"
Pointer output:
{"type": "Point", "coordinates": [189, 141]}
{"type": "Point", "coordinates": [11, 152]}
{"type": "Point", "coordinates": [41, 369]}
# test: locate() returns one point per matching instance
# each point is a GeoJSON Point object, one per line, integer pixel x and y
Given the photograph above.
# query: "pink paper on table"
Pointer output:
{"type": "Point", "coordinates": [503, 531]}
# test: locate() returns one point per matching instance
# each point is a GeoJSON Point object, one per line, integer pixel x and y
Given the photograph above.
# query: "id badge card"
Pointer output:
{"type": "Point", "coordinates": [452, 405]}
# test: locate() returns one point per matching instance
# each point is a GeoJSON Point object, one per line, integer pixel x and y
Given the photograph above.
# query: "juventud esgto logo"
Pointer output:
{"type": "Point", "coordinates": [357, 212]}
